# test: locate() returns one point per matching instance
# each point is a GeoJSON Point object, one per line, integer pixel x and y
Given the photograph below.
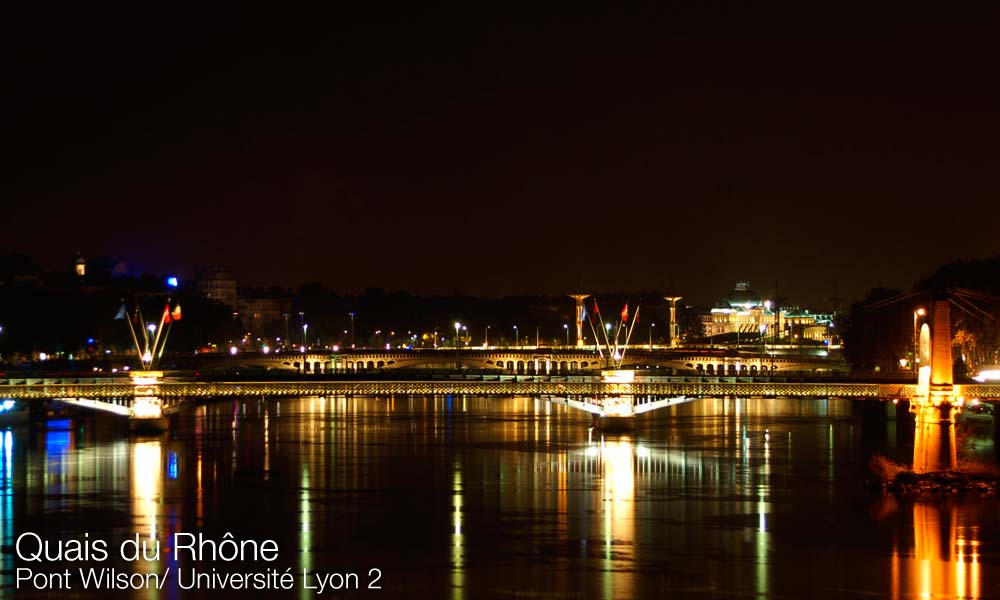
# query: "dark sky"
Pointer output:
{"type": "Point", "coordinates": [498, 150]}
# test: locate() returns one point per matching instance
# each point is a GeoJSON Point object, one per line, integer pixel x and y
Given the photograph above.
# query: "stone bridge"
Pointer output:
{"type": "Point", "coordinates": [546, 361]}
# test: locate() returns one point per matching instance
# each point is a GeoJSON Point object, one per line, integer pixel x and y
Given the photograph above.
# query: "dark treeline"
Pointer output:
{"type": "Point", "coordinates": [879, 330]}
{"type": "Point", "coordinates": [61, 313]}
{"type": "Point", "coordinates": [386, 317]}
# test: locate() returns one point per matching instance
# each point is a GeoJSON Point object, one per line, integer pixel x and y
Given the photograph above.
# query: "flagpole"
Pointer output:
{"type": "Point", "coordinates": [145, 333]}
{"type": "Point", "coordinates": [597, 341]}
{"type": "Point", "coordinates": [132, 331]}
{"type": "Point", "coordinates": [628, 334]}
{"type": "Point", "coordinates": [159, 330]}
{"type": "Point", "coordinates": [618, 331]}
{"type": "Point", "coordinates": [163, 346]}
{"type": "Point", "coordinates": [604, 330]}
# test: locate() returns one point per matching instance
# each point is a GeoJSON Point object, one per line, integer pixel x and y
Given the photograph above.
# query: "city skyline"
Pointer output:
{"type": "Point", "coordinates": [442, 149]}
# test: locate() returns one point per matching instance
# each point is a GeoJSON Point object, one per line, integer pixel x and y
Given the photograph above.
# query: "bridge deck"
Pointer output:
{"type": "Point", "coordinates": [675, 386]}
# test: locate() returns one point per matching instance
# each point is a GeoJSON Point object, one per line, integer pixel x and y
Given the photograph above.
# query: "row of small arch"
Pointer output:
{"type": "Point", "coordinates": [722, 369]}
{"type": "Point", "coordinates": [521, 366]}
{"type": "Point", "coordinates": [510, 365]}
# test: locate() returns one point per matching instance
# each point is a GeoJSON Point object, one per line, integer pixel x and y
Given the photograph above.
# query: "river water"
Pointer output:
{"type": "Point", "coordinates": [468, 498]}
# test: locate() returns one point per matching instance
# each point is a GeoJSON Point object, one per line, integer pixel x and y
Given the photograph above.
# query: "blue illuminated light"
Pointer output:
{"type": "Point", "coordinates": [172, 281]}
{"type": "Point", "coordinates": [57, 442]}
{"type": "Point", "coordinates": [58, 424]}
{"type": "Point", "coordinates": [90, 340]}
{"type": "Point", "coordinates": [172, 465]}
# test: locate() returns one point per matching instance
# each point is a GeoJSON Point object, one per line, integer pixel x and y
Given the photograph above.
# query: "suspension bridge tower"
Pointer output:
{"type": "Point", "coordinates": [935, 404]}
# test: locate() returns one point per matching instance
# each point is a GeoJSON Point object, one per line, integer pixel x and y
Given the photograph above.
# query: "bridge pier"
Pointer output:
{"type": "Point", "coordinates": [146, 413]}
{"type": "Point", "coordinates": [996, 430]}
{"type": "Point", "coordinates": [934, 438]}
{"type": "Point", "coordinates": [936, 404]}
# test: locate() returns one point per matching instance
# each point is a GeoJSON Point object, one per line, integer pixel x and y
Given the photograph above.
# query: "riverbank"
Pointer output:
{"type": "Point", "coordinates": [969, 478]}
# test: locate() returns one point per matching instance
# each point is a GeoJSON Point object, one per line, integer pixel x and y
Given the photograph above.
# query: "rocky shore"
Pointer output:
{"type": "Point", "coordinates": [941, 483]}
{"type": "Point", "coordinates": [969, 478]}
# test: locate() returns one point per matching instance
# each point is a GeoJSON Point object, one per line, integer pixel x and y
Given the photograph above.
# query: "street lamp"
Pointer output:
{"type": "Point", "coordinates": [536, 335]}
{"type": "Point", "coordinates": [302, 322]}
{"type": "Point", "coordinates": [352, 329]}
{"type": "Point", "coordinates": [305, 331]}
{"type": "Point", "coordinates": [458, 326]}
{"type": "Point", "coordinates": [916, 338]}
{"type": "Point", "coordinates": [651, 326]}
{"type": "Point", "coordinates": [486, 338]}
{"type": "Point", "coordinates": [516, 338]}
{"type": "Point", "coordinates": [566, 329]}
{"type": "Point", "coordinates": [458, 356]}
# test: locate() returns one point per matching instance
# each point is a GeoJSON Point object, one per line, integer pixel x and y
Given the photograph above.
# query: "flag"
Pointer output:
{"type": "Point", "coordinates": [120, 315]}
{"type": "Point", "coordinates": [597, 313]}
{"type": "Point", "coordinates": [625, 313]}
{"type": "Point", "coordinates": [636, 320]}
{"type": "Point", "coordinates": [583, 312]}
{"type": "Point", "coordinates": [176, 315]}
{"type": "Point", "coordinates": [166, 314]}
{"type": "Point", "coordinates": [135, 318]}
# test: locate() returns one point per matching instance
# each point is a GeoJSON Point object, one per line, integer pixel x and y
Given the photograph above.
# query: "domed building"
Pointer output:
{"type": "Point", "coordinates": [742, 311]}
{"type": "Point", "coordinates": [743, 297]}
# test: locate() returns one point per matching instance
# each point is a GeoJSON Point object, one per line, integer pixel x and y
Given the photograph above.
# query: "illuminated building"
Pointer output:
{"type": "Point", "coordinates": [263, 312]}
{"type": "Point", "coordinates": [218, 283]}
{"type": "Point", "coordinates": [80, 266]}
{"type": "Point", "coordinates": [743, 311]}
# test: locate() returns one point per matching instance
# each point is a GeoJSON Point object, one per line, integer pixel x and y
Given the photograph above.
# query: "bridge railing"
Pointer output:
{"type": "Point", "coordinates": [172, 392]}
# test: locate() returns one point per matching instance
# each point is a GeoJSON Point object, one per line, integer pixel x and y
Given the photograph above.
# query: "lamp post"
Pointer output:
{"type": "Point", "coordinates": [566, 329]}
{"type": "Point", "coordinates": [486, 338]}
{"type": "Point", "coordinates": [516, 338]}
{"type": "Point", "coordinates": [305, 332]}
{"type": "Point", "coordinates": [916, 338]}
{"type": "Point", "coordinates": [458, 357]}
{"type": "Point", "coordinates": [287, 341]}
{"type": "Point", "coordinates": [302, 323]}
{"type": "Point", "coordinates": [536, 335]}
{"type": "Point", "coordinates": [351, 314]}
{"type": "Point", "coordinates": [651, 326]}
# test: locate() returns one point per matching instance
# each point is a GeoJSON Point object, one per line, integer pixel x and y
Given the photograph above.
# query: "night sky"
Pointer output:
{"type": "Point", "coordinates": [499, 150]}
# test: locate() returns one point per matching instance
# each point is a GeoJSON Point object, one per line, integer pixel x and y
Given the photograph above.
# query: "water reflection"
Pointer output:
{"type": "Point", "coordinates": [457, 538]}
{"type": "Point", "coordinates": [7, 535]}
{"type": "Point", "coordinates": [147, 494]}
{"type": "Point", "coordinates": [468, 497]}
{"type": "Point", "coordinates": [944, 558]}
{"type": "Point", "coordinates": [618, 505]}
